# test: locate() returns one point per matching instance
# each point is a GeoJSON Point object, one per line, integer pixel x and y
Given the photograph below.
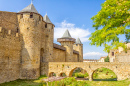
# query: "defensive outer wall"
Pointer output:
{"type": "Point", "coordinates": [122, 70]}
{"type": "Point", "coordinates": [27, 49]}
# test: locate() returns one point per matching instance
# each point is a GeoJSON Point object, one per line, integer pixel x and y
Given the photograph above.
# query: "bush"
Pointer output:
{"type": "Point", "coordinates": [86, 75]}
{"type": "Point", "coordinates": [106, 59]}
{"type": "Point", "coordinates": [79, 75]}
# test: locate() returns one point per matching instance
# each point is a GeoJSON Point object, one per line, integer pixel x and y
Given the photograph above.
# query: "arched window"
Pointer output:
{"type": "Point", "coordinates": [31, 15]}
{"type": "Point", "coordinates": [41, 52]}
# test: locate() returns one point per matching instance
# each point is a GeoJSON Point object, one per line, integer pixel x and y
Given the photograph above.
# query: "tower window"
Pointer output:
{"type": "Point", "coordinates": [112, 53]}
{"type": "Point", "coordinates": [52, 26]}
{"type": "Point", "coordinates": [45, 25]}
{"type": "Point", "coordinates": [39, 18]}
{"type": "Point", "coordinates": [21, 15]}
{"type": "Point", "coordinates": [31, 15]}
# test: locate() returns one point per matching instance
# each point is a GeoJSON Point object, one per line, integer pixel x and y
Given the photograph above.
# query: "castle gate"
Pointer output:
{"type": "Point", "coordinates": [122, 70]}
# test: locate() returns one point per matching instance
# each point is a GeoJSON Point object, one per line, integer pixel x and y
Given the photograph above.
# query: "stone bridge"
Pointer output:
{"type": "Point", "coordinates": [122, 70]}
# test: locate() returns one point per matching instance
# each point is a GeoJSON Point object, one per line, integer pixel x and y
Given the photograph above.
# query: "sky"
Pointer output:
{"type": "Point", "coordinates": [74, 15]}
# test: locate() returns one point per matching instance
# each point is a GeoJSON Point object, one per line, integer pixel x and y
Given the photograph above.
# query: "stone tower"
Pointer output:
{"type": "Point", "coordinates": [78, 46]}
{"type": "Point", "coordinates": [49, 35]}
{"type": "Point", "coordinates": [30, 26]}
{"type": "Point", "coordinates": [67, 41]}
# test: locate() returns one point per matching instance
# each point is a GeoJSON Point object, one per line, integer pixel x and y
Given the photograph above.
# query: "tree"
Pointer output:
{"type": "Point", "coordinates": [127, 38]}
{"type": "Point", "coordinates": [106, 59]}
{"type": "Point", "coordinates": [110, 22]}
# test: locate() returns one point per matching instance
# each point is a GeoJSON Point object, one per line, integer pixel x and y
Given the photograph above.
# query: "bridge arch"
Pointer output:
{"type": "Point", "coordinates": [72, 70]}
{"type": "Point", "coordinates": [62, 74]}
{"type": "Point", "coordinates": [51, 74]}
{"type": "Point", "coordinates": [115, 72]}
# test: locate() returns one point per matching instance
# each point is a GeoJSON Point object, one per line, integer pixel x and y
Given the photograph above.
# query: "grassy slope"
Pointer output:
{"type": "Point", "coordinates": [101, 74]}
{"type": "Point", "coordinates": [88, 83]}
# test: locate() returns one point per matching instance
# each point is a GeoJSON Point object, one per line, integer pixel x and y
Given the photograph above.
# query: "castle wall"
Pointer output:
{"type": "Point", "coordinates": [9, 56]}
{"type": "Point", "coordinates": [75, 57]}
{"type": "Point", "coordinates": [59, 55]}
{"type": "Point", "coordinates": [8, 20]}
{"type": "Point", "coordinates": [123, 56]}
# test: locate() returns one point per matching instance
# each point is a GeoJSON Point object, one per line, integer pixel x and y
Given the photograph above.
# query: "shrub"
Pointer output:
{"type": "Point", "coordinates": [79, 75]}
{"type": "Point", "coordinates": [86, 75]}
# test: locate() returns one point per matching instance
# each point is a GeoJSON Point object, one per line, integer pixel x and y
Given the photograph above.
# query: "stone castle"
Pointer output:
{"type": "Point", "coordinates": [26, 45]}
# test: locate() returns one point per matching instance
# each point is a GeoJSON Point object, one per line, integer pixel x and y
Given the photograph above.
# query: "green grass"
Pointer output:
{"type": "Point", "coordinates": [66, 82]}
{"type": "Point", "coordinates": [100, 77]}
{"type": "Point", "coordinates": [104, 74]}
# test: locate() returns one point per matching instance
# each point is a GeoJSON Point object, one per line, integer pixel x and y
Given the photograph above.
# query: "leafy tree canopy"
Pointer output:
{"type": "Point", "coordinates": [106, 59]}
{"type": "Point", "coordinates": [110, 22]}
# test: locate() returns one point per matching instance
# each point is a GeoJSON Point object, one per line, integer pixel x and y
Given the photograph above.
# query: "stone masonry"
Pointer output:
{"type": "Point", "coordinates": [26, 43]}
{"type": "Point", "coordinates": [27, 49]}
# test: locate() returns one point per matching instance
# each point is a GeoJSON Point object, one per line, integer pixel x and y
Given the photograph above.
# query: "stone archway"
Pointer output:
{"type": "Point", "coordinates": [51, 74]}
{"type": "Point", "coordinates": [62, 74]}
{"type": "Point", "coordinates": [41, 54]}
{"type": "Point", "coordinates": [72, 70]}
{"type": "Point", "coordinates": [108, 69]}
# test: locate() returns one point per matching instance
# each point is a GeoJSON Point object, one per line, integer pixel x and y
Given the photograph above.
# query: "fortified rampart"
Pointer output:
{"type": "Point", "coordinates": [10, 47]}
{"type": "Point", "coordinates": [26, 44]}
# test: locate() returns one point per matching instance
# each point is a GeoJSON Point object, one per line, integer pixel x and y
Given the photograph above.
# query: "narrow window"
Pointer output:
{"type": "Point", "coordinates": [39, 18]}
{"type": "Point", "coordinates": [21, 15]}
{"type": "Point", "coordinates": [112, 53]}
{"type": "Point", "coordinates": [31, 15]}
{"type": "Point", "coordinates": [17, 30]}
{"type": "Point", "coordinates": [52, 26]}
{"type": "Point", "coordinates": [45, 25]}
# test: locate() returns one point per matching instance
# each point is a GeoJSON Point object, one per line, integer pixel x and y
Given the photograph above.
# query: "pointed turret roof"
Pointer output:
{"type": "Point", "coordinates": [78, 41]}
{"type": "Point", "coordinates": [66, 34]}
{"type": "Point", "coordinates": [29, 8]}
{"type": "Point", "coordinates": [46, 19]}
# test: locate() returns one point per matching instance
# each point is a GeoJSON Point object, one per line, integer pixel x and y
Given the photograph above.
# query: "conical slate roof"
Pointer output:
{"type": "Point", "coordinates": [46, 19]}
{"type": "Point", "coordinates": [78, 41]}
{"type": "Point", "coordinates": [66, 34]}
{"type": "Point", "coordinates": [29, 8]}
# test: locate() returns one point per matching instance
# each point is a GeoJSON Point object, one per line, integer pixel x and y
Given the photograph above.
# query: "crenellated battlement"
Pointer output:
{"type": "Point", "coordinates": [8, 33]}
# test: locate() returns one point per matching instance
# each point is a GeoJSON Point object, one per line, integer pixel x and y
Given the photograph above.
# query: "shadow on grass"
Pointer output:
{"type": "Point", "coordinates": [113, 79]}
{"type": "Point", "coordinates": [81, 78]}
{"type": "Point", "coordinates": [20, 82]}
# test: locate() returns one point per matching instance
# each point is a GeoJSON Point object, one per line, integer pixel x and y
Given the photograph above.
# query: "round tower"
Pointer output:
{"type": "Point", "coordinates": [30, 24]}
{"type": "Point", "coordinates": [67, 41]}
{"type": "Point", "coordinates": [78, 46]}
{"type": "Point", "coordinates": [49, 35]}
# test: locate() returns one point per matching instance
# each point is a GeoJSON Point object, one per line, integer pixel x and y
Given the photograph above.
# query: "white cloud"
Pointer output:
{"type": "Point", "coordinates": [74, 31]}
{"type": "Point", "coordinates": [94, 55]}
